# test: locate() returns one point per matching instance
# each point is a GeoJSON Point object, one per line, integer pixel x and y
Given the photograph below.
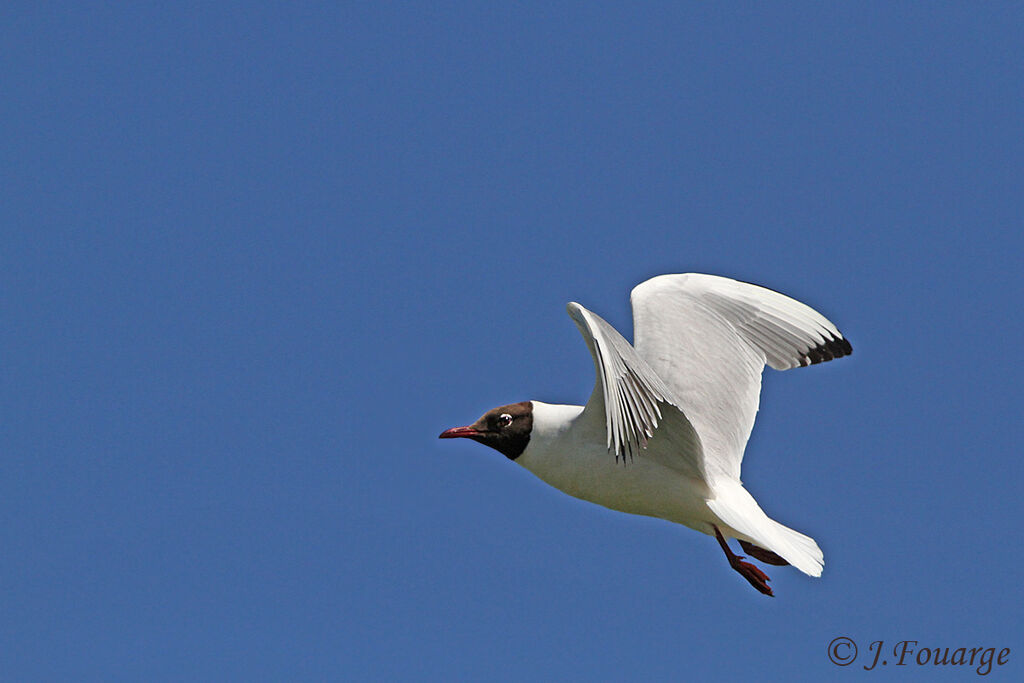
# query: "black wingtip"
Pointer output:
{"type": "Point", "coordinates": [830, 349]}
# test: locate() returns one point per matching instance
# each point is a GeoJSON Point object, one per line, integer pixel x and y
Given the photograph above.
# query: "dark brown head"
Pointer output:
{"type": "Point", "coordinates": [505, 429]}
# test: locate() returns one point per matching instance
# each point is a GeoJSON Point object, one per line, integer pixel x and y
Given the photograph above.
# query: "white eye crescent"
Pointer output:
{"type": "Point", "coordinates": [504, 420]}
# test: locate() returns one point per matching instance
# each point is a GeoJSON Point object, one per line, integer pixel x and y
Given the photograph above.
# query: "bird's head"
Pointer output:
{"type": "Point", "coordinates": [505, 429]}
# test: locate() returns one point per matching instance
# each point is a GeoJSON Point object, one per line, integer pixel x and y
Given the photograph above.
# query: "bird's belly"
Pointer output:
{"type": "Point", "coordinates": [640, 486]}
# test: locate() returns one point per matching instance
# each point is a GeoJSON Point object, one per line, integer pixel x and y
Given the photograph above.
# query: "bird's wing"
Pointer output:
{"type": "Point", "coordinates": [635, 405]}
{"type": "Point", "coordinates": [709, 338]}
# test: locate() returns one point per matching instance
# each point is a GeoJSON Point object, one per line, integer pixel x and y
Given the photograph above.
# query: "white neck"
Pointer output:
{"type": "Point", "coordinates": [552, 420]}
{"type": "Point", "coordinates": [559, 442]}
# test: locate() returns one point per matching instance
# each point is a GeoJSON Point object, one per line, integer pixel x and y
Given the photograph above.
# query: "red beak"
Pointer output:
{"type": "Point", "coordinates": [456, 432]}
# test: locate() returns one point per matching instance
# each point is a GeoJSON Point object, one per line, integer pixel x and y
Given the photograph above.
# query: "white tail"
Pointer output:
{"type": "Point", "coordinates": [738, 510]}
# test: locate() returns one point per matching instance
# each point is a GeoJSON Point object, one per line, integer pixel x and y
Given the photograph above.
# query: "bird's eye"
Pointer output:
{"type": "Point", "coordinates": [504, 420]}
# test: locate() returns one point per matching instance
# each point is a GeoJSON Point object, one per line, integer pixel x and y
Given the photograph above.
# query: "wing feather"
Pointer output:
{"type": "Point", "coordinates": [709, 338]}
{"type": "Point", "coordinates": [633, 401]}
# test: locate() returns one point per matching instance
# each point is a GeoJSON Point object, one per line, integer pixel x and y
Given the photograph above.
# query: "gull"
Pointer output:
{"type": "Point", "coordinates": [665, 428]}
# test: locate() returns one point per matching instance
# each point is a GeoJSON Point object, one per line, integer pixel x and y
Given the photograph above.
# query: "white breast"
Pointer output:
{"type": "Point", "coordinates": [572, 455]}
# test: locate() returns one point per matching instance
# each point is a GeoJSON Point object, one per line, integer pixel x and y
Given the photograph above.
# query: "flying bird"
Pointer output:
{"type": "Point", "coordinates": [665, 428]}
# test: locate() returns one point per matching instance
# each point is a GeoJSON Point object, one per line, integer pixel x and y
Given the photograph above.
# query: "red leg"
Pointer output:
{"type": "Point", "coordinates": [759, 553]}
{"type": "Point", "coordinates": [757, 578]}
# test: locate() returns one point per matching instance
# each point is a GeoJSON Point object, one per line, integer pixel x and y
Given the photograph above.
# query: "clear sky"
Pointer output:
{"type": "Point", "coordinates": [256, 256]}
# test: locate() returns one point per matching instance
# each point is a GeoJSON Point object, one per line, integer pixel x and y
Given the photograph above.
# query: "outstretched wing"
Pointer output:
{"type": "Point", "coordinates": [636, 406]}
{"type": "Point", "coordinates": [709, 338]}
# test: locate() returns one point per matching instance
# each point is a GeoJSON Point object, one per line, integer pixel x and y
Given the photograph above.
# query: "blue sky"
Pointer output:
{"type": "Point", "coordinates": [256, 256]}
